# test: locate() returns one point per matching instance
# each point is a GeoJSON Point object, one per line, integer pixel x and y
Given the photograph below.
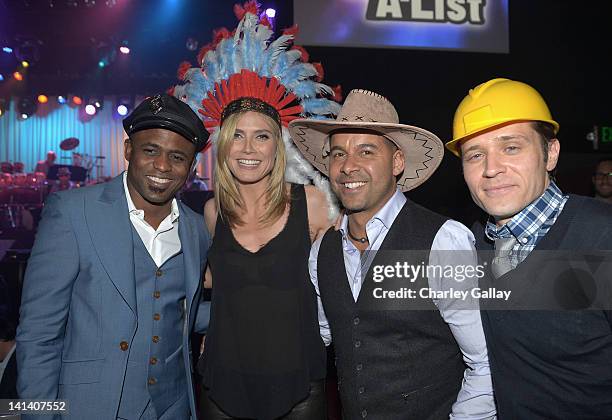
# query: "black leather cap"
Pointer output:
{"type": "Point", "coordinates": [165, 111]}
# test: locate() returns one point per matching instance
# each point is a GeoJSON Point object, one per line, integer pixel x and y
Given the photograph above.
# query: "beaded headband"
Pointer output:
{"type": "Point", "coordinates": [251, 104]}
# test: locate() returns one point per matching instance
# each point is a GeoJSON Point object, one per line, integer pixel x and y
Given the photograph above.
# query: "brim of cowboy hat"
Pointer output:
{"type": "Point", "coordinates": [423, 150]}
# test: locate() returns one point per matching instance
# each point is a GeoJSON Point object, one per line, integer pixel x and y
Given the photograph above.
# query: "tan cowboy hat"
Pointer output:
{"type": "Point", "coordinates": [363, 109]}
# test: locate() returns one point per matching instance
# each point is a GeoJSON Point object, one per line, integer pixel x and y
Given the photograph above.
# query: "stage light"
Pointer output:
{"type": "Point", "coordinates": [191, 44]}
{"type": "Point", "coordinates": [124, 50]}
{"type": "Point", "coordinates": [90, 109]}
{"type": "Point", "coordinates": [43, 99]}
{"type": "Point", "coordinates": [124, 105]}
{"type": "Point", "coordinates": [26, 107]}
{"type": "Point", "coordinates": [3, 106]}
{"type": "Point", "coordinates": [61, 99]}
{"type": "Point", "coordinates": [1, 77]}
{"type": "Point", "coordinates": [104, 52]}
{"type": "Point", "coordinates": [25, 64]}
{"type": "Point", "coordinates": [18, 76]}
{"type": "Point", "coordinates": [7, 50]}
{"type": "Point", "coordinates": [77, 100]}
{"type": "Point", "coordinates": [94, 104]}
{"type": "Point", "coordinates": [271, 13]}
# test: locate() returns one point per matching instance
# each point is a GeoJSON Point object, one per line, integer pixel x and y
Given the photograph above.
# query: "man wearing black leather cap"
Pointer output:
{"type": "Point", "coordinates": [106, 317]}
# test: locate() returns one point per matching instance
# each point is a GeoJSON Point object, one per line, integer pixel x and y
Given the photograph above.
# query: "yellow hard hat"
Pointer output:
{"type": "Point", "coordinates": [494, 103]}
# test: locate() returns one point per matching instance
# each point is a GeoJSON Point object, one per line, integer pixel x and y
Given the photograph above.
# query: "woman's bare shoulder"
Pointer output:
{"type": "Point", "coordinates": [210, 215]}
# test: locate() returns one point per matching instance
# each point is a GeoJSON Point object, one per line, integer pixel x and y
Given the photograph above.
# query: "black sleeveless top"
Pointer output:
{"type": "Point", "coordinates": [263, 346]}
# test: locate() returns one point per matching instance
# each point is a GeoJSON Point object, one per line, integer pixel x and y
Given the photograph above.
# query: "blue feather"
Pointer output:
{"type": "Point", "coordinates": [297, 73]}
{"type": "Point", "coordinates": [320, 106]}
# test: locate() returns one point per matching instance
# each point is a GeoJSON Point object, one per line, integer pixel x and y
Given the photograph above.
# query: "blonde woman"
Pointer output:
{"type": "Point", "coordinates": [264, 358]}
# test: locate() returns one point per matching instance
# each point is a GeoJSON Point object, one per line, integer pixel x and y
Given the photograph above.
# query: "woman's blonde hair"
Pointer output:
{"type": "Point", "coordinates": [227, 196]}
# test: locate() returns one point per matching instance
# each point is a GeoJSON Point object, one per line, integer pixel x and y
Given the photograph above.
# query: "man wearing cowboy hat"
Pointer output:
{"type": "Point", "coordinates": [393, 362]}
{"type": "Point", "coordinates": [553, 361]}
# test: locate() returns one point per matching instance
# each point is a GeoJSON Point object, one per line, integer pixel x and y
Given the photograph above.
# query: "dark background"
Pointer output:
{"type": "Point", "coordinates": [560, 47]}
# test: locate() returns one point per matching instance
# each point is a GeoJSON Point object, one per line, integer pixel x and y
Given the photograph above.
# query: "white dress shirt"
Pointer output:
{"type": "Point", "coordinates": [162, 243]}
{"type": "Point", "coordinates": [475, 398]}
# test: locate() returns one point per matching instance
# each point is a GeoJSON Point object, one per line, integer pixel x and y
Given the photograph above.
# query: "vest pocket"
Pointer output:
{"type": "Point", "coordinates": [174, 354]}
{"type": "Point", "coordinates": [84, 372]}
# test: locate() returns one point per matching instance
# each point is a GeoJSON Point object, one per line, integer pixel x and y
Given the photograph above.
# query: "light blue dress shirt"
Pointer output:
{"type": "Point", "coordinates": [475, 398]}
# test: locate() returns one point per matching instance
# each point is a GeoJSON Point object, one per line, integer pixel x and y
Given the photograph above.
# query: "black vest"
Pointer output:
{"type": "Point", "coordinates": [553, 364]}
{"type": "Point", "coordinates": [392, 364]}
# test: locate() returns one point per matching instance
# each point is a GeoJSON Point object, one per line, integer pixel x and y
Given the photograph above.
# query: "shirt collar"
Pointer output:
{"type": "Point", "coordinates": [530, 220]}
{"type": "Point", "coordinates": [386, 215]}
{"type": "Point", "coordinates": [174, 211]}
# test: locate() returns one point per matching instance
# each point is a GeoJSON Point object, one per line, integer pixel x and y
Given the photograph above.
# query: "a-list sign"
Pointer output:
{"type": "Point", "coordinates": [464, 25]}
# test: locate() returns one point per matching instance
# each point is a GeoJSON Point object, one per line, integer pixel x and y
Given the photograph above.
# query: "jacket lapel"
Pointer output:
{"type": "Point", "coordinates": [190, 244]}
{"type": "Point", "coordinates": [109, 225]}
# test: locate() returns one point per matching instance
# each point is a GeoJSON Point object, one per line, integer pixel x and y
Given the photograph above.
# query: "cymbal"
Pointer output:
{"type": "Point", "coordinates": [69, 143]}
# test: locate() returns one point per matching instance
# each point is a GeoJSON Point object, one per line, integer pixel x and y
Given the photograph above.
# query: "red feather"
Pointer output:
{"type": "Point", "coordinates": [293, 30]}
{"type": "Point", "coordinates": [320, 72]}
{"type": "Point", "coordinates": [264, 21]}
{"type": "Point", "coordinates": [337, 93]}
{"type": "Point", "coordinates": [252, 7]}
{"type": "Point", "coordinates": [249, 84]}
{"type": "Point", "coordinates": [239, 11]}
{"type": "Point", "coordinates": [248, 7]}
{"type": "Point", "coordinates": [305, 55]}
{"type": "Point", "coordinates": [182, 69]}
{"type": "Point", "coordinates": [203, 51]}
{"type": "Point", "coordinates": [220, 34]}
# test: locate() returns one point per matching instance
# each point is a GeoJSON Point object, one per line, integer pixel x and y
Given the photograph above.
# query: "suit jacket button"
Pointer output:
{"type": "Point", "coordinates": [156, 294]}
{"type": "Point", "coordinates": [123, 345]}
{"type": "Point", "coordinates": [156, 338]}
{"type": "Point", "coordinates": [364, 414]}
{"type": "Point", "coordinates": [152, 381]}
{"type": "Point", "coordinates": [159, 273]}
{"type": "Point", "coordinates": [156, 317]}
{"type": "Point", "coordinates": [153, 360]}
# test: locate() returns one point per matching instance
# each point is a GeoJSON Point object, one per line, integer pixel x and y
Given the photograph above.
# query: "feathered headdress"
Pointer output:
{"type": "Point", "coordinates": [248, 63]}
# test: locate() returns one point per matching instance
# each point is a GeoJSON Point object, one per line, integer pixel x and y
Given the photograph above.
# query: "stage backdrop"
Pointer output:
{"type": "Point", "coordinates": [464, 25]}
{"type": "Point", "coordinates": [100, 137]}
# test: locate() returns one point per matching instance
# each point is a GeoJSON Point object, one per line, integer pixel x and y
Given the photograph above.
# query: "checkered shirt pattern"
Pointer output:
{"type": "Point", "coordinates": [531, 224]}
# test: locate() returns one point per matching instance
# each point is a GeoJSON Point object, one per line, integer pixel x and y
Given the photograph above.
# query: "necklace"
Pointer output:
{"type": "Point", "coordinates": [362, 240]}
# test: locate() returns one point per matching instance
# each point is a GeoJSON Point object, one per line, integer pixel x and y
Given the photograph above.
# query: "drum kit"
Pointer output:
{"type": "Point", "coordinates": [83, 160]}
{"type": "Point", "coordinates": [21, 198]}
{"type": "Point", "coordinates": [22, 194]}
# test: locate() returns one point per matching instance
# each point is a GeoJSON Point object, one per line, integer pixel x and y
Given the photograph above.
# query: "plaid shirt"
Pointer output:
{"type": "Point", "coordinates": [531, 224]}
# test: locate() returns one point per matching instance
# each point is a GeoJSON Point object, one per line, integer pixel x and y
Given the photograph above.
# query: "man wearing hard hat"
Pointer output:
{"type": "Point", "coordinates": [546, 362]}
